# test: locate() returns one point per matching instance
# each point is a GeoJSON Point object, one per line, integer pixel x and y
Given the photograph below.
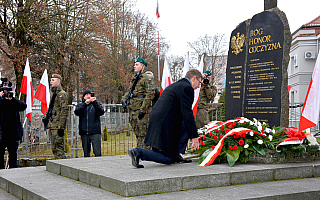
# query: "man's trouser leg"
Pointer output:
{"type": "Point", "coordinates": [139, 128]}
{"type": "Point", "coordinates": [57, 144]}
{"type": "Point", "coordinates": [86, 145]}
{"type": "Point", "coordinates": [2, 152]}
{"type": "Point", "coordinates": [202, 118]}
{"type": "Point", "coordinates": [12, 149]}
{"type": "Point", "coordinates": [96, 144]}
{"type": "Point", "coordinates": [155, 156]}
{"type": "Point", "coordinates": [183, 143]}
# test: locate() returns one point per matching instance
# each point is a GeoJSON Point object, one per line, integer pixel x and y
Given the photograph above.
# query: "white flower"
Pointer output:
{"type": "Point", "coordinates": [251, 123]}
{"type": "Point", "coordinates": [246, 146]}
{"type": "Point", "coordinates": [270, 137]}
{"type": "Point", "coordinates": [251, 133]}
{"type": "Point", "coordinates": [260, 142]}
{"type": "Point", "coordinates": [263, 123]}
{"type": "Point", "coordinates": [268, 130]}
{"type": "Point", "coordinates": [260, 128]}
{"type": "Point", "coordinates": [259, 123]}
{"type": "Point", "coordinates": [273, 131]}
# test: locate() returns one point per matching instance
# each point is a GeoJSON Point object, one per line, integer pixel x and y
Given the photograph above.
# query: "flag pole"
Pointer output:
{"type": "Point", "coordinates": [158, 15]}
{"type": "Point", "coordinates": [159, 60]}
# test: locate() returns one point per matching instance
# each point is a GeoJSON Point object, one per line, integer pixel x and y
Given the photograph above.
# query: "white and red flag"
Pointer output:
{"type": "Point", "coordinates": [43, 92]}
{"type": "Point", "coordinates": [27, 89]}
{"type": "Point", "coordinates": [166, 76]}
{"type": "Point", "coordinates": [157, 11]}
{"type": "Point", "coordinates": [197, 91]}
{"type": "Point", "coordinates": [185, 66]}
{"type": "Point", "coordinates": [289, 88]}
{"type": "Point", "coordinates": [311, 108]}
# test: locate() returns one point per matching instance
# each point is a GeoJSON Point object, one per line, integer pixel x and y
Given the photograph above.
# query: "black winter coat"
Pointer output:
{"type": "Point", "coordinates": [10, 125]}
{"type": "Point", "coordinates": [89, 117]}
{"type": "Point", "coordinates": [173, 107]}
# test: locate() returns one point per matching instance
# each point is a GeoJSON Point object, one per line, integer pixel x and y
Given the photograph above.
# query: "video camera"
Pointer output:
{"type": "Point", "coordinates": [6, 85]}
{"type": "Point", "coordinates": [206, 80]}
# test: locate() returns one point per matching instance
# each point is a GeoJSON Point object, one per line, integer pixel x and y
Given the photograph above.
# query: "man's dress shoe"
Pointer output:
{"type": "Point", "coordinates": [134, 154]}
{"type": "Point", "coordinates": [182, 160]}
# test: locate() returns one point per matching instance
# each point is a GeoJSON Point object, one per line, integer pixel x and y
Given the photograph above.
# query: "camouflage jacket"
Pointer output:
{"type": "Point", "coordinates": [207, 94]}
{"type": "Point", "coordinates": [60, 109]}
{"type": "Point", "coordinates": [143, 94]}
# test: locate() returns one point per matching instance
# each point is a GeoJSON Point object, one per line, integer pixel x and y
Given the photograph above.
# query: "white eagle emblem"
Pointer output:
{"type": "Point", "coordinates": [237, 43]}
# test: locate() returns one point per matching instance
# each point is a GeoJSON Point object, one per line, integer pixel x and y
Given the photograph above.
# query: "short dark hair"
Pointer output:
{"type": "Point", "coordinates": [194, 72]}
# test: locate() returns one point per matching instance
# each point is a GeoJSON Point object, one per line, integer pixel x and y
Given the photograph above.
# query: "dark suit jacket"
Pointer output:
{"type": "Point", "coordinates": [173, 106]}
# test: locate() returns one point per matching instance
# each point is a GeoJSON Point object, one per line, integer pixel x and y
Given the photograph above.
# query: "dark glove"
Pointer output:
{"type": "Point", "coordinates": [45, 122]}
{"type": "Point", "coordinates": [124, 105]}
{"type": "Point", "coordinates": [141, 115]}
{"type": "Point", "coordinates": [61, 132]}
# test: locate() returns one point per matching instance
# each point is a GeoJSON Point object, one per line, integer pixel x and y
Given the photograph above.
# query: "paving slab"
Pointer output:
{"type": "Point", "coordinates": [117, 175]}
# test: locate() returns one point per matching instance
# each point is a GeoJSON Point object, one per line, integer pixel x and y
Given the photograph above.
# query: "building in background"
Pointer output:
{"type": "Point", "coordinates": [303, 54]}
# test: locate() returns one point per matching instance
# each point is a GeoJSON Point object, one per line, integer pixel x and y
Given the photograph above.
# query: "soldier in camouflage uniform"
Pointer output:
{"type": "Point", "coordinates": [141, 102]}
{"type": "Point", "coordinates": [59, 117]}
{"type": "Point", "coordinates": [207, 94]}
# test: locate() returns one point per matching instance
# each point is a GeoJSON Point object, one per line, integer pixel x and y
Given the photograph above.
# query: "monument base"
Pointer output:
{"type": "Point", "coordinates": [273, 157]}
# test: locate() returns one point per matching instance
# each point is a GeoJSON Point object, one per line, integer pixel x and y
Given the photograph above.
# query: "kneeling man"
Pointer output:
{"type": "Point", "coordinates": [163, 135]}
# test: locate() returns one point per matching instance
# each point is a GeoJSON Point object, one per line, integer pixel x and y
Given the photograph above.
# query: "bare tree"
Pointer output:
{"type": "Point", "coordinates": [214, 48]}
{"type": "Point", "coordinates": [91, 43]}
{"type": "Point", "coordinates": [177, 64]}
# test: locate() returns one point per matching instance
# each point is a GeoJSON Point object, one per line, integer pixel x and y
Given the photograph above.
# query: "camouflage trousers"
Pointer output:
{"type": "Point", "coordinates": [57, 144]}
{"type": "Point", "coordinates": [139, 127]}
{"type": "Point", "coordinates": [202, 118]}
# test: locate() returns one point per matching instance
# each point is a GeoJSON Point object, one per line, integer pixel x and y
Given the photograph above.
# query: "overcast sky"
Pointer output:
{"type": "Point", "coordinates": [183, 21]}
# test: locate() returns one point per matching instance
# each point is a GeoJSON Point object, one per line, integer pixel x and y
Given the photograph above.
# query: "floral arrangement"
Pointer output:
{"type": "Point", "coordinates": [236, 139]}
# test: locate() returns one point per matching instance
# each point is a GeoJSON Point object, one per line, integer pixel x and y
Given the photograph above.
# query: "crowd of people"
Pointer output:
{"type": "Point", "coordinates": [163, 125]}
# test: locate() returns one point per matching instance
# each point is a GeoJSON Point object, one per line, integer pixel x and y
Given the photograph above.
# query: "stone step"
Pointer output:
{"type": "Point", "coordinates": [4, 195]}
{"type": "Point", "coordinates": [117, 175]}
{"type": "Point", "coordinates": [37, 183]}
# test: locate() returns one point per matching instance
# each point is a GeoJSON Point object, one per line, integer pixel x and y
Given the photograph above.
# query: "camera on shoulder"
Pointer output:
{"type": "Point", "coordinates": [6, 87]}
{"type": "Point", "coordinates": [206, 81]}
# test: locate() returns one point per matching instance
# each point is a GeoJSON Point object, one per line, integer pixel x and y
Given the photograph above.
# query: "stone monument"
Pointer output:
{"type": "Point", "coordinates": [257, 79]}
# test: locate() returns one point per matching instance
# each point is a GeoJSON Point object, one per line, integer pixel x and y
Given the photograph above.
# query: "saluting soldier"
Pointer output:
{"type": "Point", "coordinates": [58, 119]}
{"type": "Point", "coordinates": [141, 102]}
{"type": "Point", "coordinates": [207, 94]}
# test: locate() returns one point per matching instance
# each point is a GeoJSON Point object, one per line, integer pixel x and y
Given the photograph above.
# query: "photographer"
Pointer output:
{"type": "Point", "coordinates": [207, 94]}
{"type": "Point", "coordinates": [89, 112]}
{"type": "Point", "coordinates": [10, 126]}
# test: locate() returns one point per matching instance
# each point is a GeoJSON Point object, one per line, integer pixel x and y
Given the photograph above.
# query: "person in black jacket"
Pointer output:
{"type": "Point", "coordinates": [89, 112]}
{"type": "Point", "coordinates": [163, 135]}
{"type": "Point", "coordinates": [10, 128]}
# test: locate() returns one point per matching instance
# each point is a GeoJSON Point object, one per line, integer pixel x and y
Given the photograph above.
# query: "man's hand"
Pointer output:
{"type": "Point", "coordinates": [61, 132]}
{"type": "Point", "coordinates": [1, 93]}
{"type": "Point", "coordinates": [141, 115]}
{"type": "Point", "coordinates": [195, 143]}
